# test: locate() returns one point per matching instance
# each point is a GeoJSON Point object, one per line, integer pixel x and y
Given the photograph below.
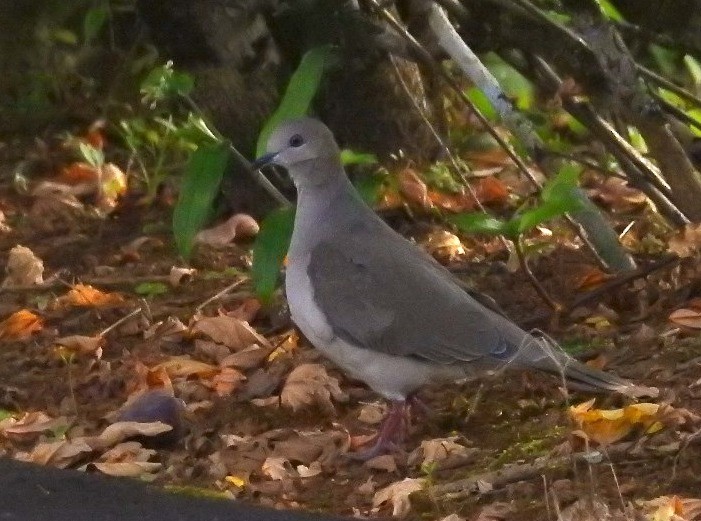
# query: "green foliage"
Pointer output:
{"type": "Point", "coordinates": [198, 190]}
{"type": "Point", "coordinates": [370, 186]}
{"type": "Point", "coordinates": [269, 250]}
{"type": "Point", "coordinates": [481, 102]}
{"type": "Point", "coordinates": [351, 157]}
{"type": "Point", "coordinates": [165, 82]}
{"type": "Point", "coordinates": [93, 156]}
{"type": "Point", "coordinates": [93, 22]}
{"type": "Point", "coordinates": [556, 199]}
{"type": "Point", "coordinates": [151, 289]}
{"type": "Point", "coordinates": [300, 91]}
{"type": "Point", "coordinates": [513, 82]}
{"type": "Point", "coordinates": [610, 11]}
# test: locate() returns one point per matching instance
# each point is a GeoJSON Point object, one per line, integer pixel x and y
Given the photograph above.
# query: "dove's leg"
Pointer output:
{"type": "Point", "coordinates": [391, 432]}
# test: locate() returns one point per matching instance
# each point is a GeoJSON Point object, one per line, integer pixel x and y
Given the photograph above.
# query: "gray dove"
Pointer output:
{"type": "Point", "coordinates": [382, 309]}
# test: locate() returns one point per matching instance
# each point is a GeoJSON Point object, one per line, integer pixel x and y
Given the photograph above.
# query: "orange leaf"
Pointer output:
{"type": "Point", "coordinates": [413, 188]}
{"type": "Point", "coordinates": [78, 172]}
{"type": "Point", "coordinates": [460, 202]}
{"type": "Point", "coordinates": [491, 157]}
{"type": "Point", "coordinates": [591, 278]}
{"type": "Point", "coordinates": [491, 190]}
{"type": "Point", "coordinates": [83, 295]}
{"type": "Point", "coordinates": [608, 426]}
{"type": "Point", "coordinates": [686, 317]}
{"type": "Point", "coordinates": [20, 326]}
{"type": "Point", "coordinates": [183, 366]}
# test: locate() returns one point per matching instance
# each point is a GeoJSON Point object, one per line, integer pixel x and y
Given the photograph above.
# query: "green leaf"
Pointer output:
{"type": "Point", "coordinates": [93, 22]}
{"type": "Point", "coordinates": [164, 82]}
{"type": "Point", "coordinates": [269, 250]}
{"type": "Point", "coordinates": [482, 104]}
{"type": "Point", "coordinates": [479, 223]}
{"type": "Point", "coordinates": [515, 85]}
{"type": "Point", "coordinates": [351, 157]}
{"type": "Point", "coordinates": [300, 91]}
{"type": "Point", "coordinates": [692, 65]}
{"type": "Point", "coordinates": [93, 156]}
{"type": "Point", "coordinates": [151, 289]}
{"type": "Point", "coordinates": [199, 187]}
{"type": "Point", "coordinates": [609, 11]}
{"type": "Point", "coordinates": [370, 187]}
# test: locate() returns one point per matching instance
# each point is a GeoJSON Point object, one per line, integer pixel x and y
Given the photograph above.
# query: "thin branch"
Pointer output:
{"type": "Point", "coordinates": [665, 83]}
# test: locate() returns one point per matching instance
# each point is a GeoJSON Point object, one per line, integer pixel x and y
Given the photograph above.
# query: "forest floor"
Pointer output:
{"type": "Point", "coordinates": [264, 419]}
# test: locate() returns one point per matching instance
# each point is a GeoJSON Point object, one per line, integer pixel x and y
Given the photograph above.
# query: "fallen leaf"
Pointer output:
{"type": "Point", "coordinates": [591, 278]}
{"type": "Point", "coordinates": [169, 330]}
{"type": "Point", "coordinates": [30, 425]}
{"type": "Point", "coordinates": [308, 472]}
{"type": "Point", "coordinates": [490, 190]}
{"type": "Point", "coordinates": [121, 431]}
{"type": "Point", "coordinates": [413, 188]}
{"type": "Point", "coordinates": [686, 317]}
{"type": "Point", "coordinates": [83, 295]}
{"type": "Point", "coordinates": [59, 454]}
{"type": "Point", "coordinates": [247, 310]}
{"type": "Point", "coordinates": [687, 241]}
{"type": "Point", "coordinates": [232, 332]}
{"type": "Point", "coordinates": [385, 462]}
{"type": "Point", "coordinates": [248, 358]}
{"type": "Point", "coordinates": [23, 268]}
{"type": "Point", "coordinates": [608, 426]}
{"type": "Point", "coordinates": [84, 345]}
{"type": "Point", "coordinates": [183, 366]}
{"type": "Point", "coordinates": [372, 413]}
{"type": "Point", "coordinates": [20, 326]}
{"type": "Point", "coordinates": [440, 450]}
{"type": "Point", "coordinates": [443, 245]}
{"type": "Point", "coordinates": [398, 495]}
{"type": "Point", "coordinates": [618, 195]}
{"type": "Point", "coordinates": [278, 469]}
{"type": "Point", "coordinates": [226, 381]}
{"type": "Point", "coordinates": [310, 384]}
{"type": "Point", "coordinates": [179, 275]}
{"type": "Point", "coordinates": [237, 226]}
{"type": "Point", "coordinates": [127, 469]}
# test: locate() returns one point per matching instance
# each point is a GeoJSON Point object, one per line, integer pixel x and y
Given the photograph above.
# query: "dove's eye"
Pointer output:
{"type": "Point", "coordinates": [296, 141]}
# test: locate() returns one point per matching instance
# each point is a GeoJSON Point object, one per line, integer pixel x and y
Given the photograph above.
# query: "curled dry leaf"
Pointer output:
{"type": "Point", "coordinates": [671, 508]}
{"type": "Point", "coordinates": [84, 295]}
{"type": "Point", "coordinates": [226, 381]}
{"type": "Point", "coordinates": [20, 326]}
{"type": "Point", "coordinates": [248, 358]}
{"type": "Point", "coordinates": [127, 469]}
{"type": "Point", "coordinates": [443, 245]}
{"type": "Point", "coordinates": [608, 426]}
{"type": "Point", "coordinates": [232, 332]}
{"type": "Point", "coordinates": [84, 345]}
{"type": "Point", "coordinates": [121, 431]}
{"type": "Point", "coordinates": [23, 268]}
{"type": "Point", "coordinates": [440, 450]}
{"type": "Point", "coordinates": [386, 463]}
{"type": "Point", "coordinates": [237, 226]}
{"type": "Point", "coordinates": [372, 413]}
{"type": "Point", "coordinates": [310, 384]}
{"type": "Point", "coordinates": [687, 317]}
{"type": "Point", "coordinates": [179, 275]}
{"type": "Point", "coordinates": [278, 469]}
{"type": "Point", "coordinates": [169, 330]}
{"type": "Point", "coordinates": [309, 472]}
{"type": "Point", "coordinates": [398, 495]}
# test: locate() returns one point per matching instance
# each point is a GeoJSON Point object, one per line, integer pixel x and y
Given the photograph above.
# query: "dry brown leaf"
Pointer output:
{"type": "Point", "coordinates": [616, 193]}
{"type": "Point", "coordinates": [687, 241]}
{"type": "Point", "coordinates": [179, 275]}
{"type": "Point", "coordinates": [55, 207]}
{"type": "Point", "coordinates": [23, 268]}
{"type": "Point", "coordinates": [232, 332]}
{"type": "Point", "coordinates": [120, 431]}
{"type": "Point", "coordinates": [413, 188]}
{"type": "Point", "coordinates": [248, 358]}
{"type": "Point", "coordinates": [491, 190]}
{"type": "Point", "coordinates": [84, 345]}
{"type": "Point", "coordinates": [496, 512]}
{"type": "Point", "coordinates": [686, 317]}
{"type": "Point", "coordinates": [83, 295]}
{"type": "Point", "coordinates": [385, 462]}
{"type": "Point", "coordinates": [310, 384]}
{"type": "Point", "coordinates": [278, 469]}
{"type": "Point", "coordinates": [443, 245]}
{"type": "Point", "coordinates": [237, 226]}
{"type": "Point", "coordinates": [439, 450]}
{"type": "Point", "coordinates": [398, 495]}
{"type": "Point", "coordinates": [314, 469]}
{"type": "Point", "coordinates": [372, 413]}
{"type": "Point", "coordinates": [30, 425]}
{"type": "Point", "coordinates": [127, 469]}
{"type": "Point", "coordinates": [169, 330]}
{"type": "Point", "coordinates": [608, 426]}
{"type": "Point", "coordinates": [591, 278]}
{"type": "Point", "coordinates": [247, 310]}
{"type": "Point", "coordinates": [453, 517]}
{"type": "Point", "coordinates": [59, 454]}
{"type": "Point", "coordinates": [184, 366]}
{"type": "Point", "coordinates": [20, 326]}
{"type": "Point", "coordinates": [453, 202]}
{"type": "Point", "coordinates": [226, 381]}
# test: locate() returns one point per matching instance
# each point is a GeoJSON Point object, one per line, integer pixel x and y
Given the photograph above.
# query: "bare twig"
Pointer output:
{"type": "Point", "coordinates": [221, 293]}
{"type": "Point", "coordinates": [555, 306]}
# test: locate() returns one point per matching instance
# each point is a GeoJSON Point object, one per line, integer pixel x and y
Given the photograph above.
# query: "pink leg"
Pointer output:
{"type": "Point", "coordinates": [391, 432]}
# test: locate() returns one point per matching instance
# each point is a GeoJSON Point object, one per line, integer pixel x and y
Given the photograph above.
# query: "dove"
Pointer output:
{"type": "Point", "coordinates": [383, 310]}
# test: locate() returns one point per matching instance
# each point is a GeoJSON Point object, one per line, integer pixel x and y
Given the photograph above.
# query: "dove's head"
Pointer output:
{"type": "Point", "coordinates": [307, 149]}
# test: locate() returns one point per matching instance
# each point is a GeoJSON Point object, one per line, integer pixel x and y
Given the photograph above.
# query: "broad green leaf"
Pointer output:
{"type": "Point", "coordinates": [299, 93]}
{"type": "Point", "coordinates": [481, 102]}
{"type": "Point", "coordinates": [665, 58]}
{"type": "Point", "coordinates": [350, 157]}
{"type": "Point", "coordinates": [199, 187]}
{"type": "Point", "coordinates": [93, 156]}
{"type": "Point", "coordinates": [565, 178]}
{"type": "Point", "coordinates": [269, 250]}
{"type": "Point", "coordinates": [479, 223]}
{"type": "Point", "coordinates": [93, 22]}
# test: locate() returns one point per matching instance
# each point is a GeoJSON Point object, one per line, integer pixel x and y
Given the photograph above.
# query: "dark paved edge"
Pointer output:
{"type": "Point", "coordinates": [35, 493]}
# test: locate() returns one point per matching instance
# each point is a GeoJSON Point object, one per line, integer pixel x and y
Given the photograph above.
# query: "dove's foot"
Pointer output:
{"type": "Point", "coordinates": [392, 432]}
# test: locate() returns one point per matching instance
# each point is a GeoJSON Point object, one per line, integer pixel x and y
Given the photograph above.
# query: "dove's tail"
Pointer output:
{"type": "Point", "coordinates": [541, 353]}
